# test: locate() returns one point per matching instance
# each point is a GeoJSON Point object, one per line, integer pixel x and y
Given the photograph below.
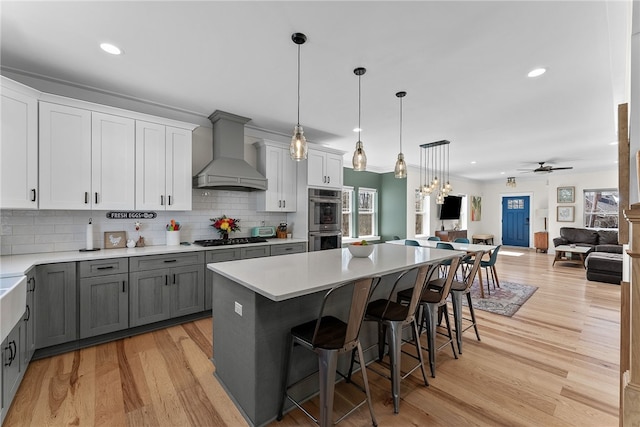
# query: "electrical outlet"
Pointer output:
{"type": "Point", "coordinates": [238, 308]}
{"type": "Point", "coordinates": [262, 223]}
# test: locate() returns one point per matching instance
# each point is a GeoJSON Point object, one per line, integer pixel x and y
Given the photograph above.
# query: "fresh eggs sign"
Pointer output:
{"type": "Point", "coordinates": [131, 215]}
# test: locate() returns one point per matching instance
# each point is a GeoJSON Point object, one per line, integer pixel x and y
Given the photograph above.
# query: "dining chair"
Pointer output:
{"type": "Point", "coordinates": [444, 265]}
{"type": "Point", "coordinates": [461, 240]}
{"type": "Point", "coordinates": [391, 318]}
{"type": "Point", "coordinates": [490, 267]}
{"type": "Point", "coordinates": [434, 238]}
{"type": "Point", "coordinates": [411, 243]}
{"type": "Point", "coordinates": [328, 337]}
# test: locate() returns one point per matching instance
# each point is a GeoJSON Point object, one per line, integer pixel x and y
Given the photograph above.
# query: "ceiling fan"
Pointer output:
{"type": "Point", "coordinates": [546, 169]}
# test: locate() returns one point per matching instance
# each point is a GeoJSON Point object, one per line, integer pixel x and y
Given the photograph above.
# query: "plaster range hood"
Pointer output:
{"type": "Point", "coordinates": [228, 170]}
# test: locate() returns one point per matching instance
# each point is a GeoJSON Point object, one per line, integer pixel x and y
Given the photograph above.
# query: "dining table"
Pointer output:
{"type": "Point", "coordinates": [470, 248]}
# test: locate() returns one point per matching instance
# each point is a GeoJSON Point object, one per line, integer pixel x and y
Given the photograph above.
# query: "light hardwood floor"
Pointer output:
{"type": "Point", "coordinates": [554, 363]}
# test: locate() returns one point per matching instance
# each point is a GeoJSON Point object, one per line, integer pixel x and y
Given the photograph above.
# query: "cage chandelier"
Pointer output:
{"type": "Point", "coordinates": [434, 170]}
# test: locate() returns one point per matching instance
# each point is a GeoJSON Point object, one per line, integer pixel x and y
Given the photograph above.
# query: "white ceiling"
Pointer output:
{"type": "Point", "coordinates": [462, 64]}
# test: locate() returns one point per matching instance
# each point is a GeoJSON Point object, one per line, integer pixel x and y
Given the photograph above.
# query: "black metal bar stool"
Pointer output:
{"type": "Point", "coordinates": [470, 265]}
{"type": "Point", "coordinates": [328, 337]}
{"type": "Point", "coordinates": [392, 317]}
{"type": "Point", "coordinates": [432, 301]}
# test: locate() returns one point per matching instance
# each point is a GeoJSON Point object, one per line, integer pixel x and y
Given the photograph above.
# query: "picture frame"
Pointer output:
{"type": "Point", "coordinates": [565, 213]}
{"type": "Point", "coordinates": [115, 239]}
{"type": "Point", "coordinates": [566, 194]}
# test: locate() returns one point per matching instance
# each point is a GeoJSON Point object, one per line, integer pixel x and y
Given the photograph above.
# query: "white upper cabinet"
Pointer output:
{"type": "Point", "coordinates": [163, 167]}
{"type": "Point", "coordinates": [324, 169]}
{"type": "Point", "coordinates": [113, 162]}
{"type": "Point", "coordinates": [65, 157]}
{"type": "Point", "coordinates": [275, 164]}
{"type": "Point", "coordinates": [18, 147]}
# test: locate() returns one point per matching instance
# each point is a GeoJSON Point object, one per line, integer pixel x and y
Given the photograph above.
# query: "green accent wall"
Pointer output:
{"type": "Point", "coordinates": [392, 200]}
{"type": "Point", "coordinates": [393, 207]}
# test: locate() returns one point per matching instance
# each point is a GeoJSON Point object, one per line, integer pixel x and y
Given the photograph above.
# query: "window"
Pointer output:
{"type": "Point", "coordinates": [347, 212]}
{"type": "Point", "coordinates": [367, 212]}
{"type": "Point", "coordinates": [422, 213]}
{"type": "Point", "coordinates": [601, 208]}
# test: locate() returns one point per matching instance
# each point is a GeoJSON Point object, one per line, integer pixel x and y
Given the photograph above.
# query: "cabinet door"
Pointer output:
{"type": "Point", "coordinates": [150, 166]}
{"type": "Point", "coordinates": [149, 298]}
{"type": "Point", "coordinates": [104, 304]}
{"type": "Point", "coordinates": [316, 169]}
{"type": "Point", "coordinates": [187, 290]}
{"type": "Point", "coordinates": [113, 162]}
{"type": "Point", "coordinates": [30, 316]}
{"type": "Point", "coordinates": [288, 183]}
{"type": "Point", "coordinates": [273, 171]}
{"type": "Point", "coordinates": [12, 365]}
{"type": "Point", "coordinates": [56, 304]}
{"type": "Point", "coordinates": [65, 157]}
{"type": "Point", "coordinates": [334, 170]}
{"type": "Point", "coordinates": [178, 169]}
{"type": "Point", "coordinates": [19, 147]}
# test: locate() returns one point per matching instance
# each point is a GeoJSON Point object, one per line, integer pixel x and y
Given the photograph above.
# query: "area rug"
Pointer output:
{"type": "Point", "coordinates": [505, 300]}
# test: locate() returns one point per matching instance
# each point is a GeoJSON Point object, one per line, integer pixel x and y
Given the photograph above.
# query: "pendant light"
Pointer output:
{"type": "Point", "coordinates": [436, 164]}
{"type": "Point", "coordinates": [400, 170]}
{"type": "Point", "coordinates": [359, 157]}
{"type": "Point", "coordinates": [298, 147]}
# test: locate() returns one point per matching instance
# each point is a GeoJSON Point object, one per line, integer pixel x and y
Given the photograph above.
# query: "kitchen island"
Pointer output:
{"type": "Point", "coordinates": [257, 301]}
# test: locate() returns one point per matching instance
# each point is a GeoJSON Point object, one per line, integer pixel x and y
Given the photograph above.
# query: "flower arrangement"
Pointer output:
{"type": "Point", "coordinates": [224, 225]}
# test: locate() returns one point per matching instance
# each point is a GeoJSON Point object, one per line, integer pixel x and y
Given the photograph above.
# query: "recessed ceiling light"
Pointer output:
{"type": "Point", "coordinates": [613, 143]}
{"type": "Point", "coordinates": [357, 129]}
{"type": "Point", "coordinates": [537, 72]}
{"type": "Point", "coordinates": [473, 162]}
{"type": "Point", "coordinates": [109, 48]}
{"type": "Point", "coordinates": [501, 173]}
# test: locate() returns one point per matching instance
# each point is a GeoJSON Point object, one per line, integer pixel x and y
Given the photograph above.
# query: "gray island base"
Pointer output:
{"type": "Point", "coordinates": [273, 295]}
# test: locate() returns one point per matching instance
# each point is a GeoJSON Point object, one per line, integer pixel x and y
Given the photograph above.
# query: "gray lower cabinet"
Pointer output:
{"type": "Point", "coordinates": [165, 286]}
{"type": "Point", "coordinates": [30, 316]}
{"type": "Point", "coordinates": [104, 296]}
{"type": "Point", "coordinates": [13, 365]}
{"type": "Point", "coordinates": [55, 300]}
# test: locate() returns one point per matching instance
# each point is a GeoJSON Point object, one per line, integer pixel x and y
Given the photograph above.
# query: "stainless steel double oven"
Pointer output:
{"type": "Point", "coordinates": [325, 219]}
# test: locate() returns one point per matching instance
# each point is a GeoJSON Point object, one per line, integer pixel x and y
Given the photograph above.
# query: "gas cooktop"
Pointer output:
{"type": "Point", "coordinates": [233, 241]}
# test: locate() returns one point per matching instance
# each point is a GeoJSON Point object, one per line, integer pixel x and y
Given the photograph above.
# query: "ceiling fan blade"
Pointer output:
{"type": "Point", "coordinates": [559, 169]}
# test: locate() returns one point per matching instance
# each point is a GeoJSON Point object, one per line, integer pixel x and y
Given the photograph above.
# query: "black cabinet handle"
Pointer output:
{"type": "Point", "coordinates": [96, 197]}
{"type": "Point", "coordinates": [108, 267]}
{"type": "Point", "coordinates": [124, 282]}
{"type": "Point", "coordinates": [169, 197]}
{"type": "Point", "coordinates": [170, 260]}
{"type": "Point", "coordinates": [33, 194]}
{"type": "Point", "coordinates": [288, 249]}
{"type": "Point", "coordinates": [28, 314]}
{"type": "Point", "coordinates": [166, 279]}
{"type": "Point", "coordinates": [33, 289]}
{"type": "Point", "coordinates": [161, 200]}
{"type": "Point", "coordinates": [86, 197]}
{"type": "Point", "coordinates": [174, 279]}
{"type": "Point", "coordinates": [328, 179]}
{"type": "Point", "coordinates": [284, 203]}
{"type": "Point", "coordinates": [8, 347]}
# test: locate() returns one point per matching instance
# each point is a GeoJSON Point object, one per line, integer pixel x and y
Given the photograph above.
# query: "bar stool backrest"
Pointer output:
{"type": "Point", "coordinates": [471, 273]}
{"type": "Point", "coordinates": [451, 275]}
{"type": "Point", "coordinates": [359, 299]}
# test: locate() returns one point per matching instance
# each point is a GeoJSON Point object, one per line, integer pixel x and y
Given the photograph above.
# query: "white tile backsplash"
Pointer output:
{"type": "Point", "coordinates": [50, 230]}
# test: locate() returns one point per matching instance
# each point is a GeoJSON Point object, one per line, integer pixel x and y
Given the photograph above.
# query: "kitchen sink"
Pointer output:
{"type": "Point", "coordinates": [13, 301]}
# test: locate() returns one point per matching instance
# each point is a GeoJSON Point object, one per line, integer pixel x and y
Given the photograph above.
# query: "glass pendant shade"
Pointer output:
{"type": "Point", "coordinates": [359, 158]}
{"type": "Point", "coordinates": [298, 147]}
{"type": "Point", "coordinates": [400, 170]}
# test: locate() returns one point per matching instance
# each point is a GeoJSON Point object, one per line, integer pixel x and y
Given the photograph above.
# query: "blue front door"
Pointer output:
{"type": "Point", "coordinates": [515, 221]}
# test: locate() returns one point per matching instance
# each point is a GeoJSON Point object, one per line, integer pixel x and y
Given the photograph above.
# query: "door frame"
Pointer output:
{"type": "Point", "coordinates": [531, 210]}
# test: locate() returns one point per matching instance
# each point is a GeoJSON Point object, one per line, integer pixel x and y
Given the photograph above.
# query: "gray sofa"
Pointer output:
{"type": "Point", "coordinates": [604, 259]}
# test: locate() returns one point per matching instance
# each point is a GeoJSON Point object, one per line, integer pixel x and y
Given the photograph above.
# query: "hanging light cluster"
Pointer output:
{"type": "Point", "coordinates": [511, 181]}
{"type": "Point", "coordinates": [434, 170]}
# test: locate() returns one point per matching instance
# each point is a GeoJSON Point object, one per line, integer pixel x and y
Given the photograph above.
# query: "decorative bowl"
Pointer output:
{"type": "Point", "coordinates": [360, 251]}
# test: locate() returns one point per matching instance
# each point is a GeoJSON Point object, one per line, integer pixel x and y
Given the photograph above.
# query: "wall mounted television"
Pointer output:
{"type": "Point", "coordinates": [450, 209]}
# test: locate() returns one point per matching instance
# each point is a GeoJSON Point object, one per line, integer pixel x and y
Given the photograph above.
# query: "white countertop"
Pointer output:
{"type": "Point", "coordinates": [17, 265]}
{"type": "Point", "coordinates": [281, 278]}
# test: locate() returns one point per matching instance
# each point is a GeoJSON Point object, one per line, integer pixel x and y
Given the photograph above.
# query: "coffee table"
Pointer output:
{"type": "Point", "coordinates": [563, 250]}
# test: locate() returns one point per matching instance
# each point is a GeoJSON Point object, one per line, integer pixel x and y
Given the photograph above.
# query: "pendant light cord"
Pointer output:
{"type": "Point", "coordinates": [401, 124]}
{"type": "Point", "coordinates": [298, 85]}
{"type": "Point", "coordinates": [359, 108]}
